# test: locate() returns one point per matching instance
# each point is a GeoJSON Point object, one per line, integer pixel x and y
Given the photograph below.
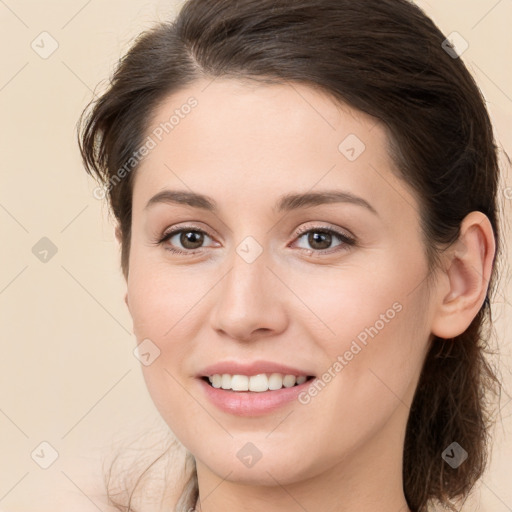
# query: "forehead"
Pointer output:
{"type": "Point", "coordinates": [261, 140]}
{"type": "Point", "coordinates": [257, 117]}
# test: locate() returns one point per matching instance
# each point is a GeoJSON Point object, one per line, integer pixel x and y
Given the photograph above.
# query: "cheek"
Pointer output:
{"type": "Point", "coordinates": [162, 312]}
{"type": "Point", "coordinates": [369, 380]}
{"type": "Point", "coordinates": [162, 298]}
{"type": "Point", "coordinates": [164, 304]}
{"type": "Point", "coordinates": [351, 302]}
{"type": "Point", "coordinates": [373, 332]}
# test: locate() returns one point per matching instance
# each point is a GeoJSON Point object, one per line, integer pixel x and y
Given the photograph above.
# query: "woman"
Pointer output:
{"type": "Point", "coordinates": [305, 196]}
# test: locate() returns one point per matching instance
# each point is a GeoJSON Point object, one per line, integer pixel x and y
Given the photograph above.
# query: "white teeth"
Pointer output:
{"type": "Point", "coordinates": [257, 383]}
{"type": "Point", "coordinates": [275, 381]}
{"type": "Point", "coordinates": [240, 383]}
{"type": "Point", "coordinates": [225, 383]}
{"type": "Point", "coordinates": [289, 381]}
{"type": "Point", "coordinates": [216, 381]}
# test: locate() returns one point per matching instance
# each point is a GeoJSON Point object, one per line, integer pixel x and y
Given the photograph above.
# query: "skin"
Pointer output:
{"type": "Point", "coordinates": [245, 145]}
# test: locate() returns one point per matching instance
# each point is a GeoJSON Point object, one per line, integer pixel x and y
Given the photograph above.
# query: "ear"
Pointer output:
{"type": "Point", "coordinates": [464, 281]}
{"type": "Point", "coordinates": [118, 234]}
{"type": "Point", "coordinates": [119, 238]}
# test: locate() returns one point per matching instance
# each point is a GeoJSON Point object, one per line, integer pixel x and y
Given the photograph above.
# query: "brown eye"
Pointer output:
{"type": "Point", "coordinates": [321, 240]}
{"type": "Point", "coordinates": [184, 240]}
{"type": "Point", "coordinates": [191, 239]}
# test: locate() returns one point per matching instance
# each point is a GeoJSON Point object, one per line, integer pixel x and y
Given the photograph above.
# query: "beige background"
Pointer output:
{"type": "Point", "coordinates": [67, 372]}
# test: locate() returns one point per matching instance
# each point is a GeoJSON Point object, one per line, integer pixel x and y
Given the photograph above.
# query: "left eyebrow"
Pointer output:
{"type": "Point", "coordinates": [287, 202]}
{"type": "Point", "coordinates": [294, 201]}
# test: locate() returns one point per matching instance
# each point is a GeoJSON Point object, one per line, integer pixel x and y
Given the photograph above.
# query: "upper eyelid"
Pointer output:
{"type": "Point", "coordinates": [330, 227]}
{"type": "Point", "coordinates": [179, 229]}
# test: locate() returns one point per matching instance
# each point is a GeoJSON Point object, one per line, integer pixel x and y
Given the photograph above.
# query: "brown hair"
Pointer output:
{"type": "Point", "coordinates": [385, 58]}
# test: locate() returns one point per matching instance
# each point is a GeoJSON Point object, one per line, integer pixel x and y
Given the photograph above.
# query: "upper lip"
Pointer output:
{"type": "Point", "coordinates": [251, 368]}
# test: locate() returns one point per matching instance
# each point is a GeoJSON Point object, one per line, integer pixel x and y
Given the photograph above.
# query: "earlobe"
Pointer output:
{"type": "Point", "coordinates": [464, 283]}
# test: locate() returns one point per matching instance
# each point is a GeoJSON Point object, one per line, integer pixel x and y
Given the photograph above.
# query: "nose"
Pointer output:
{"type": "Point", "coordinates": [250, 301]}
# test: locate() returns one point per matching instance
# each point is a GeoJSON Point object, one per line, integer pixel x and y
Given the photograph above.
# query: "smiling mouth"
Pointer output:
{"type": "Point", "coordinates": [255, 383]}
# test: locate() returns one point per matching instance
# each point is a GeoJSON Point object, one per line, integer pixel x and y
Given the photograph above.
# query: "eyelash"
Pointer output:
{"type": "Point", "coordinates": [346, 240]}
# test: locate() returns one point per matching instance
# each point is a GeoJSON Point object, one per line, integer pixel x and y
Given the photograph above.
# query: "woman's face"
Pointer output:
{"type": "Point", "coordinates": [260, 280]}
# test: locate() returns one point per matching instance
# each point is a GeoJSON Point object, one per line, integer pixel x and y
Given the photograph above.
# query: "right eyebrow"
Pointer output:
{"type": "Point", "coordinates": [183, 197]}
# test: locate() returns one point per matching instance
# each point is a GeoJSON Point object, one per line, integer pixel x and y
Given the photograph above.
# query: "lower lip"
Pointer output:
{"type": "Point", "coordinates": [252, 403]}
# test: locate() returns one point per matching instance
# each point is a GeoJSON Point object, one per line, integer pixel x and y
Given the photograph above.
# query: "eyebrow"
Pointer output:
{"type": "Point", "coordinates": [285, 203]}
